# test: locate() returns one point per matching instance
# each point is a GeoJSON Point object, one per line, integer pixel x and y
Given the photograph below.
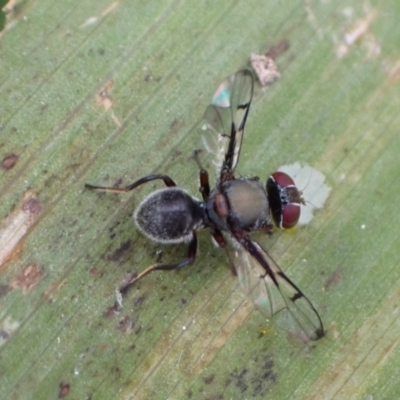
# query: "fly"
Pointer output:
{"type": "Point", "coordinates": [231, 211]}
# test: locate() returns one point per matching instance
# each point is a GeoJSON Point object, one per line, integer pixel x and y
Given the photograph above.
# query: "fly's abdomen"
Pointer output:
{"type": "Point", "coordinates": [169, 215]}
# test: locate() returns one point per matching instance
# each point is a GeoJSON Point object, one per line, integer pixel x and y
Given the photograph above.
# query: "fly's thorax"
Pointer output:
{"type": "Point", "coordinates": [239, 204]}
{"type": "Point", "coordinates": [169, 215]}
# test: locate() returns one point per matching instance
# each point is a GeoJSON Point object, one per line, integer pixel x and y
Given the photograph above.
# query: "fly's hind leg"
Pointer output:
{"type": "Point", "coordinates": [191, 255]}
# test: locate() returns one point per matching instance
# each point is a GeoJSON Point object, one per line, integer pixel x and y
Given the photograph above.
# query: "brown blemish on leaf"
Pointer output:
{"type": "Point", "coordinates": [265, 68]}
{"type": "Point", "coordinates": [176, 125]}
{"type": "Point", "coordinates": [64, 390]}
{"type": "Point", "coordinates": [94, 271]}
{"type": "Point", "coordinates": [112, 311]}
{"type": "Point", "coordinates": [209, 379]}
{"type": "Point", "coordinates": [335, 278]}
{"type": "Point", "coordinates": [9, 161]}
{"type": "Point", "coordinates": [28, 278]}
{"type": "Point", "coordinates": [15, 226]}
{"type": "Point", "coordinates": [53, 288]}
{"type": "Point", "coordinates": [277, 49]}
{"type": "Point", "coordinates": [105, 100]}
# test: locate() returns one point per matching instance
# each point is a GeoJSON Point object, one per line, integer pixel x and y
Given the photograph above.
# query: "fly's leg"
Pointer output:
{"type": "Point", "coordinates": [192, 251]}
{"type": "Point", "coordinates": [165, 178]}
{"type": "Point", "coordinates": [203, 177]}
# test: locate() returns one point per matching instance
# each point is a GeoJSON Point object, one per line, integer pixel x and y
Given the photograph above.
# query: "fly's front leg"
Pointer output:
{"type": "Point", "coordinates": [204, 184]}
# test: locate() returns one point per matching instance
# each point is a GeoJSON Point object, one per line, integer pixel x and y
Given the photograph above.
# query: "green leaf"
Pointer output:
{"type": "Point", "coordinates": [108, 92]}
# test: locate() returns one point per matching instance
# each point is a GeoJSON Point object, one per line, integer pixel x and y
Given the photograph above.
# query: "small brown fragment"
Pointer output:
{"type": "Point", "coordinates": [265, 68]}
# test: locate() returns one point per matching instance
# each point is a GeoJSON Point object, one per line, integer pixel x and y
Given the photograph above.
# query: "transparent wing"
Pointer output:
{"type": "Point", "coordinates": [274, 293]}
{"type": "Point", "coordinates": [225, 118]}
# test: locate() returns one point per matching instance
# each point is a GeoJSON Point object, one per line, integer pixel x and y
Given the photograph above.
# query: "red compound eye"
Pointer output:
{"type": "Point", "coordinates": [290, 215]}
{"type": "Point", "coordinates": [282, 179]}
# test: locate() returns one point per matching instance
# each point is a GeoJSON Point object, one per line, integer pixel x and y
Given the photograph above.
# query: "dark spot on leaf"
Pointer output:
{"type": "Point", "coordinates": [118, 253]}
{"type": "Point", "coordinates": [4, 289]}
{"type": "Point", "coordinates": [238, 379]}
{"type": "Point", "coordinates": [126, 325]}
{"type": "Point", "coordinates": [64, 389]}
{"type": "Point", "coordinates": [9, 161]}
{"type": "Point", "coordinates": [257, 380]}
{"type": "Point", "coordinates": [116, 371]}
{"type": "Point", "coordinates": [176, 125]}
{"type": "Point", "coordinates": [209, 379]}
{"type": "Point", "coordinates": [4, 335]}
{"type": "Point", "coordinates": [138, 330]}
{"type": "Point", "coordinates": [137, 302]}
{"type": "Point", "coordinates": [263, 375]}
